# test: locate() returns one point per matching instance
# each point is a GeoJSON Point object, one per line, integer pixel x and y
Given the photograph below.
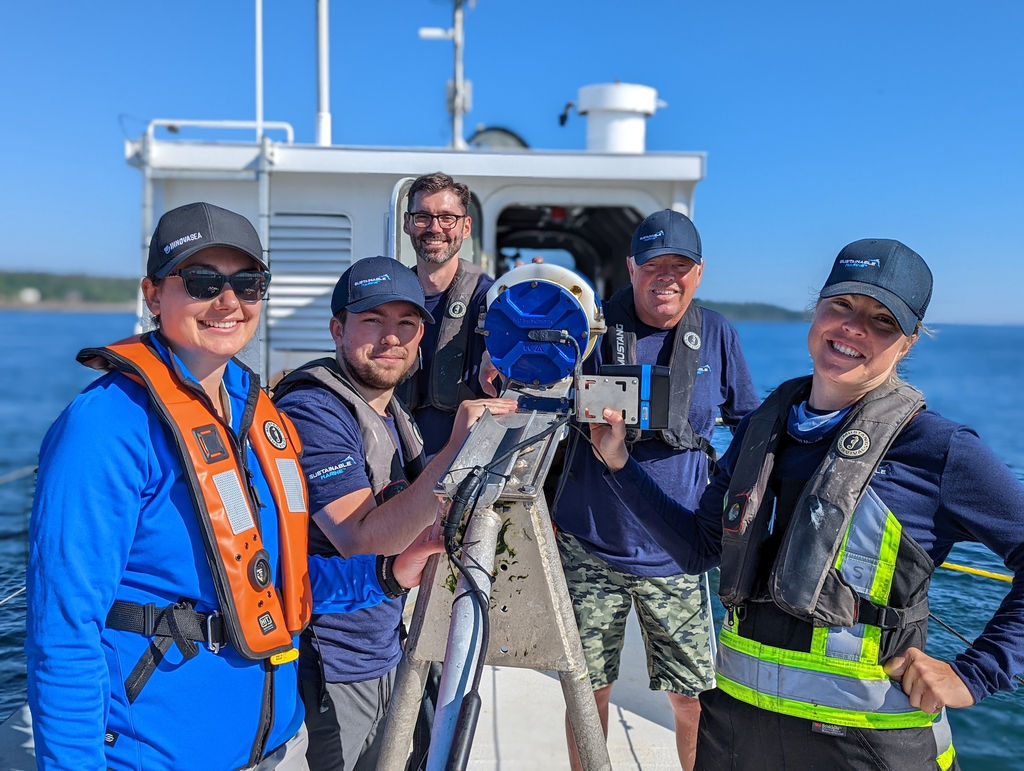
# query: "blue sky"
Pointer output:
{"type": "Point", "coordinates": [823, 122]}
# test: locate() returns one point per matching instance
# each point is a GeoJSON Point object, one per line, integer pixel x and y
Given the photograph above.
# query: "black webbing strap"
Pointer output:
{"type": "Point", "coordinates": [882, 616]}
{"type": "Point", "coordinates": [175, 624]}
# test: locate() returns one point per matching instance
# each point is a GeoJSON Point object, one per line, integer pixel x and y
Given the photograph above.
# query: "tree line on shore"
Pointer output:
{"type": "Point", "coordinates": [30, 287]}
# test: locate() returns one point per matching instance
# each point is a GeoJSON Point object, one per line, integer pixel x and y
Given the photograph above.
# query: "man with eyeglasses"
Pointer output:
{"type": "Point", "coordinates": [610, 561]}
{"type": "Point", "coordinates": [437, 222]}
{"type": "Point", "coordinates": [369, 493]}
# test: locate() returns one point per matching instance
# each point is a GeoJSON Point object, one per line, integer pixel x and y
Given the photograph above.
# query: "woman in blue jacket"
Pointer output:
{"type": "Point", "coordinates": [833, 505]}
{"type": "Point", "coordinates": [167, 570]}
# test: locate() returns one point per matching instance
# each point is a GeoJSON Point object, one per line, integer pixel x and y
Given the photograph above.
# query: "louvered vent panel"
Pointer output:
{"type": "Point", "coordinates": [308, 252]}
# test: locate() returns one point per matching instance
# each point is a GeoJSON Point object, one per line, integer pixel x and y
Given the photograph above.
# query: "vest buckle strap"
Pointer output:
{"type": "Point", "coordinates": [149, 619]}
{"type": "Point", "coordinates": [214, 639]}
{"type": "Point", "coordinates": [178, 621]}
{"type": "Point", "coordinates": [886, 617]}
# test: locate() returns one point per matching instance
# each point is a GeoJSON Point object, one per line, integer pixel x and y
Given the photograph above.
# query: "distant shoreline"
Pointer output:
{"type": "Point", "coordinates": [53, 306]}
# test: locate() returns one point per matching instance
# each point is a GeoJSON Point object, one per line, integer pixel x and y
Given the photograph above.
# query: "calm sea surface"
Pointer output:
{"type": "Point", "coordinates": [970, 374]}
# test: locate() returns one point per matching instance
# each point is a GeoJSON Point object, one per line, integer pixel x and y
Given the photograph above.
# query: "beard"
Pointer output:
{"type": "Point", "coordinates": [371, 375]}
{"type": "Point", "coordinates": [451, 248]}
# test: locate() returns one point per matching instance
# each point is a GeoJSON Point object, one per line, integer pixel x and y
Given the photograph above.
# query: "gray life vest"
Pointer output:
{"type": "Point", "coordinates": [387, 474]}
{"type": "Point", "coordinates": [620, 348]}
{"type": "Point", "coordinates": [446, 388]}
{"type": "Point", "coordinates": [803, 580]}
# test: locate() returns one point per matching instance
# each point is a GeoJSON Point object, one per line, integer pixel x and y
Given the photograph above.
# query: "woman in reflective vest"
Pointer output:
{"type": "Point", "coordinates": [168, 573]}
{"type": "Point", "coordinates": [830, 510]}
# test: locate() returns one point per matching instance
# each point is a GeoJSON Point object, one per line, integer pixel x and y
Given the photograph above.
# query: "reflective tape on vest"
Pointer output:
{"type": "Point", "coordinates": [294, 487]}
{"type": "Point", "coordinates": [803, 685]}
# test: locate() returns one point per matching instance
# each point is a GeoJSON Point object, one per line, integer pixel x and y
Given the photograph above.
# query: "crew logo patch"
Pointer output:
{"type": "Point", "coordinates": [266, 622]}
{"type": "Point", "coordinates": [692, 341]}
{"type": "Point", "coordinates": [457, 309]}
{"type": "Point", "coordinates": [853, 443]}
{"type": "Point", "coordinates": [275, 435]}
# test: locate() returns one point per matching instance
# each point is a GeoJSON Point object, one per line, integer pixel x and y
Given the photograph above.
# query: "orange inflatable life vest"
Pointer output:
{"type": "Point", "coordinates": [260, 622]}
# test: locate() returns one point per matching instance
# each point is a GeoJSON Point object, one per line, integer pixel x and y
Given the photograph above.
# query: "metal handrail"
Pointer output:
{"type": "Point", "coordinates": [224, 124]}
{"type": "Point", "coordinates": [18, 473]}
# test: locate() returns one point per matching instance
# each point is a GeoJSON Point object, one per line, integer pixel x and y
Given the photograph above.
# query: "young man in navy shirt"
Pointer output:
{"type": "Point", "coordinates": [369, 493]}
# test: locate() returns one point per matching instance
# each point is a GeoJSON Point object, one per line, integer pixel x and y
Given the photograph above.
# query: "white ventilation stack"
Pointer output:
{"type": "Point", "coordinates": [617, 115]}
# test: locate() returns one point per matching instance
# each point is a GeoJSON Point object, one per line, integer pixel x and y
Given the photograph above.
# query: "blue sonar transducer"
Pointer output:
{"type": "Point", "coordinates": [640, 392]}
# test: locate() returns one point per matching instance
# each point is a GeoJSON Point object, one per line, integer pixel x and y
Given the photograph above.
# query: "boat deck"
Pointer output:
{"type": "Point", "coordinates": [521, 724]}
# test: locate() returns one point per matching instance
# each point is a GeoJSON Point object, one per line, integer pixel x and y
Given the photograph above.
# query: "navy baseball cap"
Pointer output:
{"type": "Point", "coordinates": [374, 281]}
{"type": "Point", "coordinates": [665, 232]}
{"type": "Point", "coordinates": [182, 232]}
{"type": "Point", "coordinates": [887, 271]}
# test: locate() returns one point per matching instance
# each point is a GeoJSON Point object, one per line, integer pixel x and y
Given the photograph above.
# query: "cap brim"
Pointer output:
{"type": "Point", "coordinates": [172, 264]}
{"type": "Point", "coordinates": [369, 303]}
{"type": "Point", "coordinates": [905, 317]}
{"type": "Point", "coordinates": [650, 254]}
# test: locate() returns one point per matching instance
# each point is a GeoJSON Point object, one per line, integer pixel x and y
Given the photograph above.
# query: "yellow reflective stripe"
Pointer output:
{"type": "Point", "coordinates": [832, 715]}
{"type": "Point", "coordinates": [808, 661]}
{"type": "Point", "coordinates": [945, 760]}
{"type": "Point", "coordinates": [819, 640]}
{"type": "Point", "coordinates": [881, 588]}
{"type": "Point", "coordinates": [870, 645]}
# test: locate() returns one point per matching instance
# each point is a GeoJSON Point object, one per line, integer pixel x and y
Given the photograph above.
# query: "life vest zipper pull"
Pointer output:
{"type": "Point", "coordinates": [252, 488]}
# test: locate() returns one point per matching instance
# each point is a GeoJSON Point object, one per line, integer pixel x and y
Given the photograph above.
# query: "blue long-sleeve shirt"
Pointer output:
{"type": "Point", "coordinates": [722, 386]}
{"type": "Point", "coordinates": [113, 520]}
{"type": "Point", "coordinates": [940, 481]}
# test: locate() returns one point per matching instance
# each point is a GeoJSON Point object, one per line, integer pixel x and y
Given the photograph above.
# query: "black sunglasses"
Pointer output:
{"type": "Point", "coordinates": [205, 283]}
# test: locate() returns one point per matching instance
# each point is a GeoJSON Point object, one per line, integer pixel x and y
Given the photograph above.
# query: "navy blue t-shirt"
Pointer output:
{"type": "Point", "coordinates": [938, 479]}
{"type": "Point", "coordinates": [436, 425]}
{"type": "Point", "coordinates": [363, 644]}
{"type": "Point", "coordinates": [606, 527]}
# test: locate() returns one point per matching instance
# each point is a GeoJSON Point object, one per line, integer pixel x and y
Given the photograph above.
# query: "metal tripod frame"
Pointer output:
{"type": "Point", "coordinates": [509, 547]}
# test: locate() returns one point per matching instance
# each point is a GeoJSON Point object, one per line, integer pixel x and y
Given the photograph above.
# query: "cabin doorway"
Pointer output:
{"type": "Point", "coordinates": [591, 240]}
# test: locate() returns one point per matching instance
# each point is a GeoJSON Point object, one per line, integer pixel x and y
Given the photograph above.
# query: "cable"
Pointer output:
{"type": "Point", "coordinates": [464, 503]}
{"type": "Point", "coordinates": [967, 642]}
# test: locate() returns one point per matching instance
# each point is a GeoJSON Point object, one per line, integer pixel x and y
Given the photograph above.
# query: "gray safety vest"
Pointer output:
{"type": "Point", "coordinates": [387, 474]}
{"type": "Point", "coordinates": [620, 347]}
{"type": "Point", "coordinates": [446, 388]}
{"type": "Point", "coordinates": [843, 572]}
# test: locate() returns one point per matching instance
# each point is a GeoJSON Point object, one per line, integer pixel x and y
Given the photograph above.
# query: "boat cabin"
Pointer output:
{"type": "Point", "coordinates": [319, 207]}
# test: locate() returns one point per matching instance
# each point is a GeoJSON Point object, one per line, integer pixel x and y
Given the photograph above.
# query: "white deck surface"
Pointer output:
{"type": "Point", "coordinates": [521, 723]}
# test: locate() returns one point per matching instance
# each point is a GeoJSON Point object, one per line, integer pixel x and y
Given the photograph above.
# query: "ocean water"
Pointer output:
{"type": "Point", "coordinates": [968, 373]}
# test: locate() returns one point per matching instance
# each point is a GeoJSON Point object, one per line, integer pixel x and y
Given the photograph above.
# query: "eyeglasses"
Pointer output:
{"type": "Point", "coordinates": [422, 219]}
{"type": "Point", "coordinates": [205, 283]}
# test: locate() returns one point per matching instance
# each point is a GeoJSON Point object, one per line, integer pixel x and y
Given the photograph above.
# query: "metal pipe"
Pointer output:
{"type": "Point", "coordinates": [323, 75]}
{"type": "Point", "coordinates": [263, 228]}
{"type": "Point", "coordinates": [459, 84]}
{"type": "Point", "coordinates": [147, 224]}
{"type": "Point", "coordinates": [259, 69]}
{"type": "Point", "coordinates": [479, 544]}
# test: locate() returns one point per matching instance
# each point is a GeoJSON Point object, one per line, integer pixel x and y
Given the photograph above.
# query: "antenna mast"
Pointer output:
{"type": "Point", "coordinates": [460, 90]}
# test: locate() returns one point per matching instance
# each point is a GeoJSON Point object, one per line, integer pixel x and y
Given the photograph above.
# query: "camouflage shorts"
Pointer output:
{"type": "Point", "coordinates": [672, 611]}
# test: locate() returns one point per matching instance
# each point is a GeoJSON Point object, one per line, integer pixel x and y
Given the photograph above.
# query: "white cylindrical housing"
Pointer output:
{"type": "Point", "coordinates": [617, 116]}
